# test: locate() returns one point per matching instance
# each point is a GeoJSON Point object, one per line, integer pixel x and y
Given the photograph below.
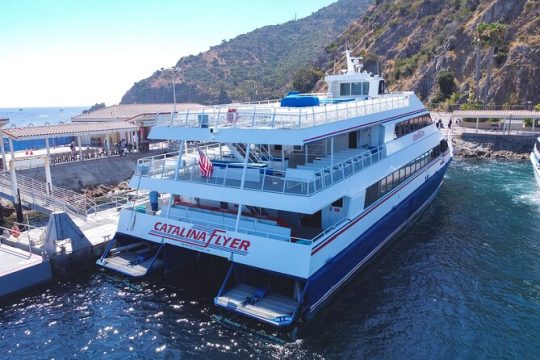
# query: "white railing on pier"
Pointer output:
{"type": "Point", "coordinates": [275, 117]}
{"type": "Point", "coordinates": [163, 167]}
{"type": "Point", "coordinates": [35, 192]}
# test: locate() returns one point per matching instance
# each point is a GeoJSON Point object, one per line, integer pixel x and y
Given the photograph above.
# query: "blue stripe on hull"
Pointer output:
{"type": "Point", "coordinates": [328, 279]}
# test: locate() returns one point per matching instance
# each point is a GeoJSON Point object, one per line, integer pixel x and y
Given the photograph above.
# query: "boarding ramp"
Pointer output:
{"type": "Point", "coordinates": [131, 256]}
{"type": "Point", "coordinates": [259, 303]}
{"type": "Point", "coordinates": [34, 195]}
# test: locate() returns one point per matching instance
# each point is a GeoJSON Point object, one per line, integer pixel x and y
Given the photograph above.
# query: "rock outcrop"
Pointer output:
{"type": "Point", "coordinates": [415, 40]}
{"type": "Point", "coordinates": [255, 66]}
{"type": "Point", "coordinates": [485, 146]}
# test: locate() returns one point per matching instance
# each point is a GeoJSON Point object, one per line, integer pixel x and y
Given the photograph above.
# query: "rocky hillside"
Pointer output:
{"type": "Point", "coordinates": [416, 41]}
{"type": "Point", "coordinates": [253, 66]}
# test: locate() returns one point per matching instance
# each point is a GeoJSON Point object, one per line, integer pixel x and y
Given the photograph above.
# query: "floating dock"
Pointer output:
{"type": "Point", "coordinates": [21, 270]}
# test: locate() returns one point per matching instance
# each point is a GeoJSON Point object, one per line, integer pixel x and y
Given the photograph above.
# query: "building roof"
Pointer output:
{"type": "Point", "coordinates": [498, 114]}
{"type": "Point", "coordinates": [70, 129]}
{"type": "Point", "coordinates": [128, 111]}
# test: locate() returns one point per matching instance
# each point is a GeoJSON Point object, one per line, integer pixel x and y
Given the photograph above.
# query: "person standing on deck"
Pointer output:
{"type": "Point", "coordinates": [154, 196]}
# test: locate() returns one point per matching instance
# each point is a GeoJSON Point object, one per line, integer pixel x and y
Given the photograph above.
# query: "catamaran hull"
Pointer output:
{"type": "Point", "coordinates": [325, 282]}
{"type": "Point", "coordinates": [536, 167]}
{"type": "Point", "coordinates": [320, 287]}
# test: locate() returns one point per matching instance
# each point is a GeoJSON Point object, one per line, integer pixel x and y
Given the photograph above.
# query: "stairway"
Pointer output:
{"type": "Point", "coordinates": [257, 155]}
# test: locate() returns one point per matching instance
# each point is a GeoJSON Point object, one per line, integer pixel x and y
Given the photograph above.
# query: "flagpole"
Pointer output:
{"type": "Point", "coordinates": [242, 182]}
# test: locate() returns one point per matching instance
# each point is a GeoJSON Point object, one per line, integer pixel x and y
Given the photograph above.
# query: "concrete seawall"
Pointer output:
{"type": "Point", "coordinates": [513, 147]}
{"type": "Point", "coordinates": [77, 175]}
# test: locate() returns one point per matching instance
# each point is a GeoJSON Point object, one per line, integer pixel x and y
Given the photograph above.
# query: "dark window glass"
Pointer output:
{"type": "Point", "coordinates": [338, 203]}
{"type": "Point", "coordinates": [345, 89]}
{"type": "Point", "coordinates": [356, 89]}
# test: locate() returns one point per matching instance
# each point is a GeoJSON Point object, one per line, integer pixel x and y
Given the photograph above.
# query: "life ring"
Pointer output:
{"type": "Point", "coordinates": [15, 232]}
{"type": "Point", "coordinates": [232, 115]}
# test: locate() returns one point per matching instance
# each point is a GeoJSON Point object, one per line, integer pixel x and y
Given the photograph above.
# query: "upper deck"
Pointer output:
{"type": "Point", "coordinates": [270, 115]}
{"type": "Point", "coordinates": [288, 125]}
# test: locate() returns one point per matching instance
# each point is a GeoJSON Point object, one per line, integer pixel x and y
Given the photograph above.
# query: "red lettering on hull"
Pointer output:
{"type": "Point", "coordinates": [213, 238]}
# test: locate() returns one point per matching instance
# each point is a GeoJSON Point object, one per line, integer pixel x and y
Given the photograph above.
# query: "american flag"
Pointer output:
{"type": "Point", "coordinates": [205, 165]}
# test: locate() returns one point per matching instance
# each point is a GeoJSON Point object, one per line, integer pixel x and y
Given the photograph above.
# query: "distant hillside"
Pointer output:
{"type": "Point", "coordinates": [253, 66]}
{"type": "Point", "coordinates": [418, 42]}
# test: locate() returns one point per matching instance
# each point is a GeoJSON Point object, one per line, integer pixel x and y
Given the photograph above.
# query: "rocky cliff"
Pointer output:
{"type": "Point", "coordinates": [254, 66]}
{"type": "Point", "coordinates": [420, 45]}
{"type": "Point", "coordinates": [414, 41]}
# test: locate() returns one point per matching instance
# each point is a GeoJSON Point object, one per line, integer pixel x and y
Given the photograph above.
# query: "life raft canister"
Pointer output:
{"type": "Point", "coordinates": [15, 232]}
{"type": "Point", "coordinates": [232, 115]}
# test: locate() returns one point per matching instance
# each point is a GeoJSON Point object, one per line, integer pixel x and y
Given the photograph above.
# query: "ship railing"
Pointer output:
{"type": "Point", "coordinates": [265, 234]}
{"type": "Point", "coordinates": [274, 117]}
{"type": "Point", "coordinates": [258, 178]}
{"type": "Point", "coordinates": [117, 200]}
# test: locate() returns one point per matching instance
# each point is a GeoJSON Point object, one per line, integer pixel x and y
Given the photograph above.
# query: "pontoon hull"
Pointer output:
{"type": "Point", "coordinates": [326, 281]}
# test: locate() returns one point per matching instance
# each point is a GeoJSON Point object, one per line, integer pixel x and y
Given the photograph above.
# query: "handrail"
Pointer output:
{"type": "Point", "coordinates": [261, 179]}
{"type": "Point", "coordinates": [274, 117]}
{"type": "Point", "coordinates": [6, 233]}
{"type": "Point", "coordinates": [275, 236]}
{"type": "Point", "coordinates": [35, 192]}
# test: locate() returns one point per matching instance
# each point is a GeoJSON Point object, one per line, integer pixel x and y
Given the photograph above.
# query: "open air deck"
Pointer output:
{"type": "Point", "coordinates": [304, 180]}
{"type": "Point", "coordinates": [272, 116]}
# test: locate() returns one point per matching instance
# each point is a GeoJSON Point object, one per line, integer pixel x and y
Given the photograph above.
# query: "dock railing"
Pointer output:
{"type": "Point", "coordinates": [275, 117]}
{"type": "Point", "coordinates": [163, 167]}
{"type": "Point", "coordinates": [24, 236]}
{"type": "Point", "coordinates": [55, 198]}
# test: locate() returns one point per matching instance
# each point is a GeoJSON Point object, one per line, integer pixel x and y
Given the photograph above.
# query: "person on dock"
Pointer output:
{"type": "Point", "coordinates": [73, 150]}
{"type": "Point", "coordinates": [450, 124]}
{"type": "Point", "coordinates": [154, 196]}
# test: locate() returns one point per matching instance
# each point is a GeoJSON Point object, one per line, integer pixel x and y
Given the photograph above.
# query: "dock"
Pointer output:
{"type": "Point", "coordinates": [20, 269]}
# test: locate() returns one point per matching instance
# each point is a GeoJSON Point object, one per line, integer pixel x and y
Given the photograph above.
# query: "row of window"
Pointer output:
{"type": "Point", "coordinates": [359, 88]}
{"type": "Point", "coordinates": [408, 126]}
{"type": "Point", "coordinates": [386, 184]}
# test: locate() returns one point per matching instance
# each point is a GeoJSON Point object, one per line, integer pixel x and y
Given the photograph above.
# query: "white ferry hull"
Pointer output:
{"type": "Point", "coordinates": [536, 167]}
{"type": "Point", "coordinates": [326, 281]}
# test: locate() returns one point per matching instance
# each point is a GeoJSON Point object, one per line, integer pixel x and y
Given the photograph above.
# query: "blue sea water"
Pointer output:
{"type": "Point", "coordinates": [462, 282]}
{"type": "Point", "coordinates": [23, 117]}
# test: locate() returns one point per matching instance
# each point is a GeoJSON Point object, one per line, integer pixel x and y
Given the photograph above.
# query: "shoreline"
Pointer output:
{"type": "Point", "coordinates": [485, 146]}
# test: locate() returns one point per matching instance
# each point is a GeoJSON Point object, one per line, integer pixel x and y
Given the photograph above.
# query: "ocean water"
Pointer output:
{"type": "Point", "coordinates": [462, 282]}
{"type": "Point", "coordinates": [23, 117]}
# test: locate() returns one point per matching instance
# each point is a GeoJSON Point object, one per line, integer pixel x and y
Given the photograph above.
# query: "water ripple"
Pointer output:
{"type": "Point", "coordinates": [462, 282]}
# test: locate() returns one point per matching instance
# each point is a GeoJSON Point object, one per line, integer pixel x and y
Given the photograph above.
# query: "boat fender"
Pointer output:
{"type": "Point", "coordinates": [232, 115]}
{"type": "Point", "coordinates": [15, 232]}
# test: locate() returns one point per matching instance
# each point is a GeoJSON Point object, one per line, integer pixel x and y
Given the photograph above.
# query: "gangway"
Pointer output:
{"type": "Point", "coordinates": [34, 195]}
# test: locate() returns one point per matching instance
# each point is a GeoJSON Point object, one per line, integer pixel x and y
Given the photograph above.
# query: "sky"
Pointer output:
{"type": "Point", "coordinates": [82, 52]}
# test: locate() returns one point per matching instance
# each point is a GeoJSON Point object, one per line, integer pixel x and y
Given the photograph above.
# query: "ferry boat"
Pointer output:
{"type": "Point", "coordinates": [535, 159]}
{"type": "Point", "coordinates": [293, 195]}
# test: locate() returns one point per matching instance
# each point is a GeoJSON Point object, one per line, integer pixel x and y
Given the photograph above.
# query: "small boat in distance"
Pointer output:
{"type": "Point", "coordinates": [535, 160]}
{"type": "Point", "coordinates": [293, 196]}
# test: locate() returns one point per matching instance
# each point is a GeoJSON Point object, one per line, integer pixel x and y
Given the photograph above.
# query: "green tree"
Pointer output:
{"type": "Point", "coordinates": [223, 97]}
{"type": "Point", "coordinates": [305, 79]}
{"type": "Point", "coordinates": [447, 84]}
{"type": "Point", "coordinates": [94, 107]}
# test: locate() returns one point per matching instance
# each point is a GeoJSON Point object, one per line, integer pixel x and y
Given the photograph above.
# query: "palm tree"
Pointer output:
{"type": "Point", "coordinates": [491, 36]}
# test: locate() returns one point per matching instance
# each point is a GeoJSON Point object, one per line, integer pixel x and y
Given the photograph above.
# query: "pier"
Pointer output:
{"type": "Point", "coordinates": [79, 227]}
